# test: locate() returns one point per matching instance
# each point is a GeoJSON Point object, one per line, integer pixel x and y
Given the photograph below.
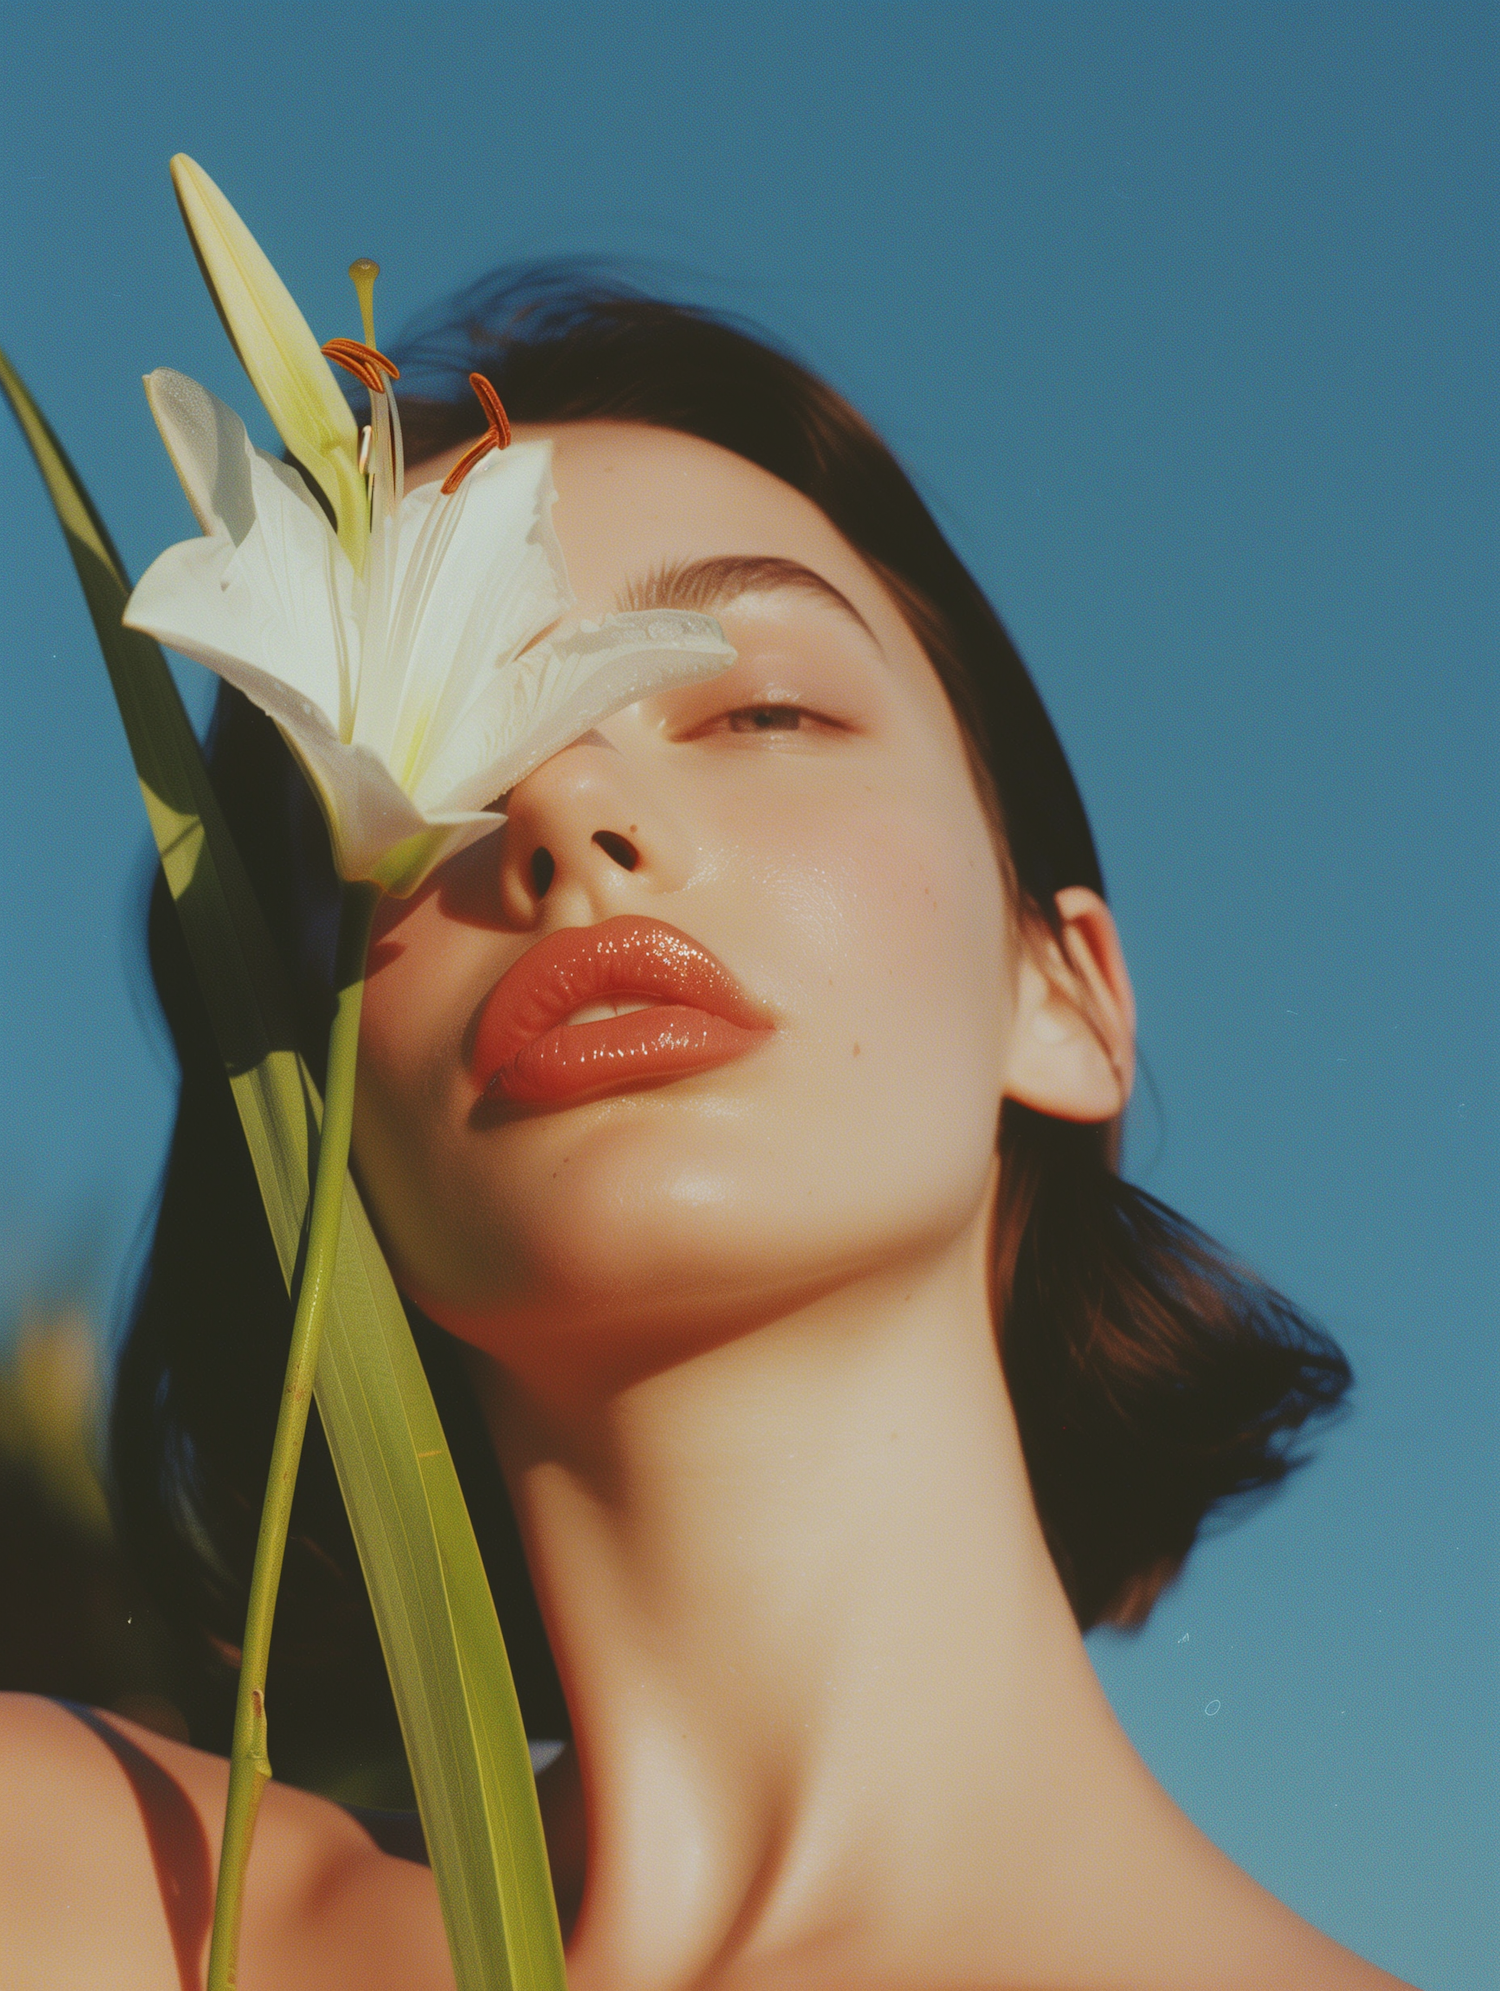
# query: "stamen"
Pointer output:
{"type": "Point", "coordinates": [364, 362]}
{"type": "Point", "coordinates": [490, 401]}
{"type": "Point", "coordinates": [497, 436]}
{"type": "Point", "coordinates": [364, 449]}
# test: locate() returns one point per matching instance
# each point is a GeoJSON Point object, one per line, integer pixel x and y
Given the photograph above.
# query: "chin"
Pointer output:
{"type": "Point", "coordinates": [618, 1260]}
{"type": "Point", "coordinates": [606, 1242]}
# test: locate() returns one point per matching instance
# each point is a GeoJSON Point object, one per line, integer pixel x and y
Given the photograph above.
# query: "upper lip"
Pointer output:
{"type": "Point", "coordinates": [624, 956]}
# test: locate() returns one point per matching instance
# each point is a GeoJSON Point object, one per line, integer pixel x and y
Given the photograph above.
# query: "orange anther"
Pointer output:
{"type": "Point", "coordinates": [496, 436]}
{"type": "Point", "coordinates": [364, 362]}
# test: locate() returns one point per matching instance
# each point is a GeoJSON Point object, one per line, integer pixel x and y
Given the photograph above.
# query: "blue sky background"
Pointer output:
{"type": "Point", "coordinates": [1183, 320]}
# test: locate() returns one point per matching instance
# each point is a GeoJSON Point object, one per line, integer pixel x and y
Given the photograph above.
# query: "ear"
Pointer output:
{"type": "Point", "coordinates": [1072, 1050]}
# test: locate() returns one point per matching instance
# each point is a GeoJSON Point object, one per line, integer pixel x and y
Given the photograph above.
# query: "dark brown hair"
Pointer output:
{"type": "Point", "coordinates": [1155, 1383]}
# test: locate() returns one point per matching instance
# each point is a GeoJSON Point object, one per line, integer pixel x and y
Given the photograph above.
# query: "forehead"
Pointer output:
{"type": "Point", "coordinates": [631, 499]}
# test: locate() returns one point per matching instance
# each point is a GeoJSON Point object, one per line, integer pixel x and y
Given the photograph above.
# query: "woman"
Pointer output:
{"type": "Point", "coordinates": [743, 1115]}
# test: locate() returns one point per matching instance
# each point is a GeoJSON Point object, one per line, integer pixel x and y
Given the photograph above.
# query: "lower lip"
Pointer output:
{"type": "Point", "coordinates": [669, 1040]}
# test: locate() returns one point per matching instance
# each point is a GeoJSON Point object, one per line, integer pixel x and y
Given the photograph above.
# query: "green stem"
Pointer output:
{"type": "Point", "coordinates": [249, 1764]}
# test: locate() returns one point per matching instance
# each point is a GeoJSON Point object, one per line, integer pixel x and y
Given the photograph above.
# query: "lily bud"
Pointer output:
{"type": "Point", "coordinates": [277, 349]}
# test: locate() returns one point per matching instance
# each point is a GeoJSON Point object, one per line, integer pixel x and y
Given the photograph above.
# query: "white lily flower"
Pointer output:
{"type": "Point", "coordinates": [409, 654]}
{"type": "Point", "coordinates": [424, 687]}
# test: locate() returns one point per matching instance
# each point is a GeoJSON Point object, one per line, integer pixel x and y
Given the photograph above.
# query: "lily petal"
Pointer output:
{"type": "Point", "coordinates": [377, 831]}
{"type": "Point", "coordinates": [402, 867]}
{"type": "Point", "coordinates": [277, 349]}
{"type": "Point", "coordinates": [480, 576]}
{"type": "Point", "coordinates": [273, 615]}
{"type": "Point", "coordinates": [211, 452]}
{"type": "Point", "coordinates": [561, 688]}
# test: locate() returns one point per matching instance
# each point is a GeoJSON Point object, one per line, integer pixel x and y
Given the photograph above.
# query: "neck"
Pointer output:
{"type": "Point", "coordinates": [821, 1669]}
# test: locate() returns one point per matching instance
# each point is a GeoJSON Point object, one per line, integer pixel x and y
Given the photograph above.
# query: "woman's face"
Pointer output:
{"type": "Point", "coordinates": [809, 819]}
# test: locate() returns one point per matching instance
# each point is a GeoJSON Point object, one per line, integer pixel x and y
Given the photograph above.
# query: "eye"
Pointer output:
{"type": "Point", "coordinates": [776, 719]}
{"type": "Point", "coordinates": [766, 719]}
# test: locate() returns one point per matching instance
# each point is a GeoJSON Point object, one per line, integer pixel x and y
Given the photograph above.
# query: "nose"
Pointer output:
{"type": "Point", "coordinates": [581, 842]}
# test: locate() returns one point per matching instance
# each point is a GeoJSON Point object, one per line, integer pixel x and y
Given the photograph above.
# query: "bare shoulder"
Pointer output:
{"type": "Point", "coordinates": [1261, 1941]}
{"type": "Point", "coordinates": [109, 1846]}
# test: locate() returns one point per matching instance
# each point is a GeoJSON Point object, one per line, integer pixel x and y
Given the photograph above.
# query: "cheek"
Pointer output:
{"type": "Point", "coordinates": [899, 969]}
{"type": "Point", "coordinates": [424, 972]}
{"type": "Point", "coordinates": [873, 923]}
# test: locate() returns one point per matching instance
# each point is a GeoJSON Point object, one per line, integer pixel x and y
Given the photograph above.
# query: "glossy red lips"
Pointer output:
{"type": "Point", "coordinates": [696, 1014]}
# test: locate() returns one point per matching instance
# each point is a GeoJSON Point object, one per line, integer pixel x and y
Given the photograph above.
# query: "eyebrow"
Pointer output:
{"type": "Point", "coordinates": [705, 585]}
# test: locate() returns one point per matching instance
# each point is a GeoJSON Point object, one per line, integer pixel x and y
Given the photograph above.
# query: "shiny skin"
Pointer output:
{"type": "Point", "coordinates": [835, 1727]}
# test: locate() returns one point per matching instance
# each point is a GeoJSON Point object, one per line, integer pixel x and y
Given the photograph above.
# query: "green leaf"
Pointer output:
{"type": "Point", "coordinates": [457, 1704]}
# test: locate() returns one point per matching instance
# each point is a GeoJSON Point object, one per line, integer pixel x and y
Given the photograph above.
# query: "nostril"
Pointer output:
{"type": "Point", "coordinates": [619, 848]}
{"type": "Point", "coordinates": [543, 870]}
